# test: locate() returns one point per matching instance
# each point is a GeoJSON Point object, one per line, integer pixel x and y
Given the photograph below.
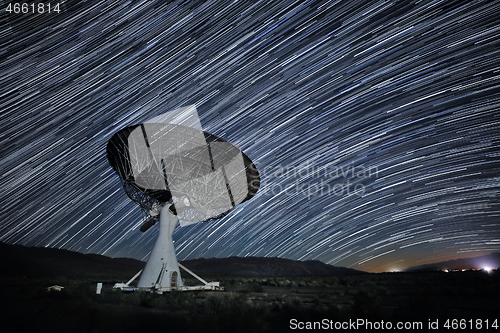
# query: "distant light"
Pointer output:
{"type": "Point", "coordinates": [487, 269]}
{"type": "Point", "coordinates": [445, 270]}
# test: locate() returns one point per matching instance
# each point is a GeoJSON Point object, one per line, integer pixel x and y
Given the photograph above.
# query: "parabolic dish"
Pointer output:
{"type": "Point", "coordinates": [161, 162]}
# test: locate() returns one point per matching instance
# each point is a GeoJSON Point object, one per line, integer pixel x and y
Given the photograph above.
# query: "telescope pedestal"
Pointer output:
{"type": "Point", "coordinates": [162, 270]}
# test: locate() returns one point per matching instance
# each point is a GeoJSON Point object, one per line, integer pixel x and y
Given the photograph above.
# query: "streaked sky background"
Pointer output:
{"type": "Point", "coordinates": [374, 124]}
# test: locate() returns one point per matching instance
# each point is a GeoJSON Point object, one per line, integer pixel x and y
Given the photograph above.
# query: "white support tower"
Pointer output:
{"type": "Point", "coordinates": [162, 270]}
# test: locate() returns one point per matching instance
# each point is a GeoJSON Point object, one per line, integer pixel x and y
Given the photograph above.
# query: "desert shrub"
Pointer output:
{"type": "Point", "coordinates": [158, 302]}
{"type": "Point", "coordinates": [179, 299]}
{"type": "Point", "coordinates": [85, 291]}
{"type": "Point", "coordinates": [296, 302]}
{"type": "Point", "coordinates": [381, 291]}
{"type": "Point", "coordinates": [366, 305]}
{"type": "Point", "coordinates": [421, 307]}
{"type": "Point", "coordinates": [324, 295]}
{"type": "Point", "coordinates": [368, 283]}
{"type": "Point", "coordinates": [114, 297]}
{"type": "Point", "coordinates": [147, 299]}
{"type": "Point", "coordinates": [257, 288]}
{"type": "Point", "coordinates": [230, 282]}
{"type": "Point", "coordinates": [448, 291]}
{"type": "Point", "coordinates": [279, 299]}
{"type": "Point", "coordinates": [131, 299]}
{"type": "Point", "coordinates": [224, 315]}
{"type": "Point", "coordinates": [253, 287]}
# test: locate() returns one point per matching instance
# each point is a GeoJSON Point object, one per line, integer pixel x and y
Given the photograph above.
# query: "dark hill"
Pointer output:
{"type": "Point", "coordinates": [491, 260]}
{"type": "Point", "coordinates": [261, 266]}
{"type": "Point", "coordinates": [35, 262]}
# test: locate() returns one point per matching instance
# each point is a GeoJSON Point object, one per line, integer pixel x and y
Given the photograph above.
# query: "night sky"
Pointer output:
{"type": "Point", "coordinates": [374, 124]}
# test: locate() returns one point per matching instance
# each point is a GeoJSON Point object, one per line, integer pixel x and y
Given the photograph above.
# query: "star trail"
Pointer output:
{"type": "Point", "coordinates": [374, 124]}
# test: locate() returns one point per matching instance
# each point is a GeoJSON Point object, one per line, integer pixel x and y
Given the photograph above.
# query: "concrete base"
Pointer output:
{"type": "Point", "coordinates": [214, 286]}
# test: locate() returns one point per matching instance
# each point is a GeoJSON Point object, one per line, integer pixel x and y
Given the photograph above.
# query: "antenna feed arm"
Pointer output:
{"type": "Point", "coordinates": [186, 203]}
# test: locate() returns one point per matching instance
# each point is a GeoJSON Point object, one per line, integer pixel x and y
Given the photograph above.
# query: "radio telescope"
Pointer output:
{"type": "Point", "coordinates": [177, 172]}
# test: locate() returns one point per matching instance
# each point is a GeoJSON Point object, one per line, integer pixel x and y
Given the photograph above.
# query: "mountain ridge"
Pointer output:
{"type": "Point", "coordinates": [22, 261]}
{"type": "Point", "coordinates": [491, 260]}
{"type": "Point", "coordinates": [264, 266]}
